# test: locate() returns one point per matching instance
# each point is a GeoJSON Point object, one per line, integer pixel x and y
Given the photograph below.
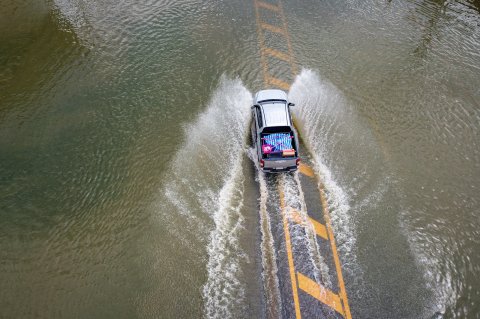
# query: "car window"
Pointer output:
{"type": "Point", "coordinates": [259, 118]}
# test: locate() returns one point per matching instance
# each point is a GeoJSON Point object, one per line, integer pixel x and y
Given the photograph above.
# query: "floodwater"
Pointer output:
{"type": "Point", "coordinates": [126, 185]}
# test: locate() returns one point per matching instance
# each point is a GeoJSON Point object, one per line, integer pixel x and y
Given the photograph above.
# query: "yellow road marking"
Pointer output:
{"type": "Point", "coordinates": [261, 41]}
{"type": "Point", "coordinates": [306, 170]}
{"type": "Point", "coordinates": [293, 65]}
{"type": "Point", "coordinates": [277, 82]}
{"type": "Point", "coordinates": [320, 229]}
{"type": "Point", "coordinates": [320, 293]}
{"type": "Point", "coordinates": [288, 245]}
{"type": "Point", "coordinates": [336, 259]}
{"type": "Point", "coordinates": [278, 54]}
{"type": "Point", "coordinates": [295, 216]}
{"type": "Point", "coordinates": [305, 283]}
{"type": "Point", "coordinates": [272, 28]}
{"type": "Point", "coordinates": [268, 6]}
{"type": "Point", "coordinates": [271, 80]}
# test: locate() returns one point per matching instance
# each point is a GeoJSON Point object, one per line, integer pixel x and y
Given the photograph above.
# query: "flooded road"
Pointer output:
{"type": "Point", "coordinates": [127, 189]}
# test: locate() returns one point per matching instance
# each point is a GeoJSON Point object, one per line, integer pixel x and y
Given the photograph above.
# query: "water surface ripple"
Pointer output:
{"type": "Point", "coordinates": [126, 192]}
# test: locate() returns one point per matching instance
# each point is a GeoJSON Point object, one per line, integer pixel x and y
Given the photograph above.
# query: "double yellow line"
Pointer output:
{"type": "Point", "coordinates": [265, 51]}
{"type": "Point", "coordinates": [338, 302]}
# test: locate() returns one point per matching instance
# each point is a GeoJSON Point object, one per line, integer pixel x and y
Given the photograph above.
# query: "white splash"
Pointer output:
{"type": "Point", "coordinates": [440, 282]}
{"type": "Point", "coordinates": [319, 111]}
{"type": "Point", "coordinates": [304, 234]}
{"type": "Point", "coordinates": [205, 189]}
{"type": "Point", "coordinates": [269, 259]}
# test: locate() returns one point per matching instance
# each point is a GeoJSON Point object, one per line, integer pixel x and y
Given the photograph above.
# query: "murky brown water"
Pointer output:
{"type": "Point", "coordinates": [125, 186]}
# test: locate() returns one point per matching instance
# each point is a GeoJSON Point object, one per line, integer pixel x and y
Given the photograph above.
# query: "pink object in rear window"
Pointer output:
{"type": "Point", "coordinates": [267, 149]}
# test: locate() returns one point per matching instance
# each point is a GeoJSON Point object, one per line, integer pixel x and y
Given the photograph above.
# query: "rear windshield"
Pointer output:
{"type": "Point", "coordinates": [278, 144]}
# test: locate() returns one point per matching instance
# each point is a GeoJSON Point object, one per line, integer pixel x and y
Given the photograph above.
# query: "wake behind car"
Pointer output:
{"type": "Point", "coordinates": [274, 137]}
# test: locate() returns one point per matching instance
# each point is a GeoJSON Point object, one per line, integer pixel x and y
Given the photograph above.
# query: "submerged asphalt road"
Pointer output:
{"type": "Point", "coordinates": [127, 187]}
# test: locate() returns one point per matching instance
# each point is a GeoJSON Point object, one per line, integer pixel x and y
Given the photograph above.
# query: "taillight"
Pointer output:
{"type": "Point", "coordinates": [262, 163]}
{"type": "Point", "coordinates": [298, 161]}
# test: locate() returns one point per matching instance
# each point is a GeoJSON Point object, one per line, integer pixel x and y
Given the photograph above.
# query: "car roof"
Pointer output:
{"type": "Point", "coordinates": [265, 95]}
{"type": "Point", "coordinates": [275, 114]}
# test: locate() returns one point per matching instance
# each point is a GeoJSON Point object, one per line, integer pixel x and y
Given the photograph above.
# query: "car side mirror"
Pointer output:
{"type": "Point", "coordinates": [291, 104]}
{"type": "Point", "coordinates": [254, 106]}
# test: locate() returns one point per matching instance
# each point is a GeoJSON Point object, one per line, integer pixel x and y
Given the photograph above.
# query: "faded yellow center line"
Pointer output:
{"type": "Point", "coordinates": [272, 28]}
{"type": "Point", "coordinates": [293, 65]}
{"type": "Point", "coordinates": [277, 82]}
{"type": "Point", "coordinates": [306, 284]}
{"type": "Point", "coordinates": [268, 6]}
{"type": "Point", "coordinates": [288, 246]}
{"type": "Point", "coordinates": [270, 80]}
{"type": "Point", "coordinates": [277, 54]}
{"type": "Point", "coordinates": [261, 41]}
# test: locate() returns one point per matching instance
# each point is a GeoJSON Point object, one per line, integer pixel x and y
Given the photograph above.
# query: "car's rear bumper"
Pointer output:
{"type": "Point", "coordinates": [279, 170]}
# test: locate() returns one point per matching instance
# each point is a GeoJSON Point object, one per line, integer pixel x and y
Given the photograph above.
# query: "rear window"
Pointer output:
{"type": "Point", "coordinates": [278, 145]}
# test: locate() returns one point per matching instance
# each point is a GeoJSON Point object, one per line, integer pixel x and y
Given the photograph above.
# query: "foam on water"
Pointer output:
{"type": "Point", "coordinates": [205, 187]}
{"type": "Point", "coordinates": [269, 259]}
{"type": "Point", "coordinates": [351, 164]}
{"type": "Point", "coordinates": [443, 287]}
{"type": "Point", "coordinates": [224, 293]}
{"type": "Point", "coordinates": [304, 235]}
{"type": "Point", "coordinates": [319, 111]}
{"type": "Point", "coordinates": [316, 257]}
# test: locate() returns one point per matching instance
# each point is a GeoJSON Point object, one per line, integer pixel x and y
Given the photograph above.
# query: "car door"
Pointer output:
{"type": "Point", "coordinates": [258, 127]}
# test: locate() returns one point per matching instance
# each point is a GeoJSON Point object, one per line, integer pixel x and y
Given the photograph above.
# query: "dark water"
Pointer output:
{"type": "Point", "coordinates": [126, 187]}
